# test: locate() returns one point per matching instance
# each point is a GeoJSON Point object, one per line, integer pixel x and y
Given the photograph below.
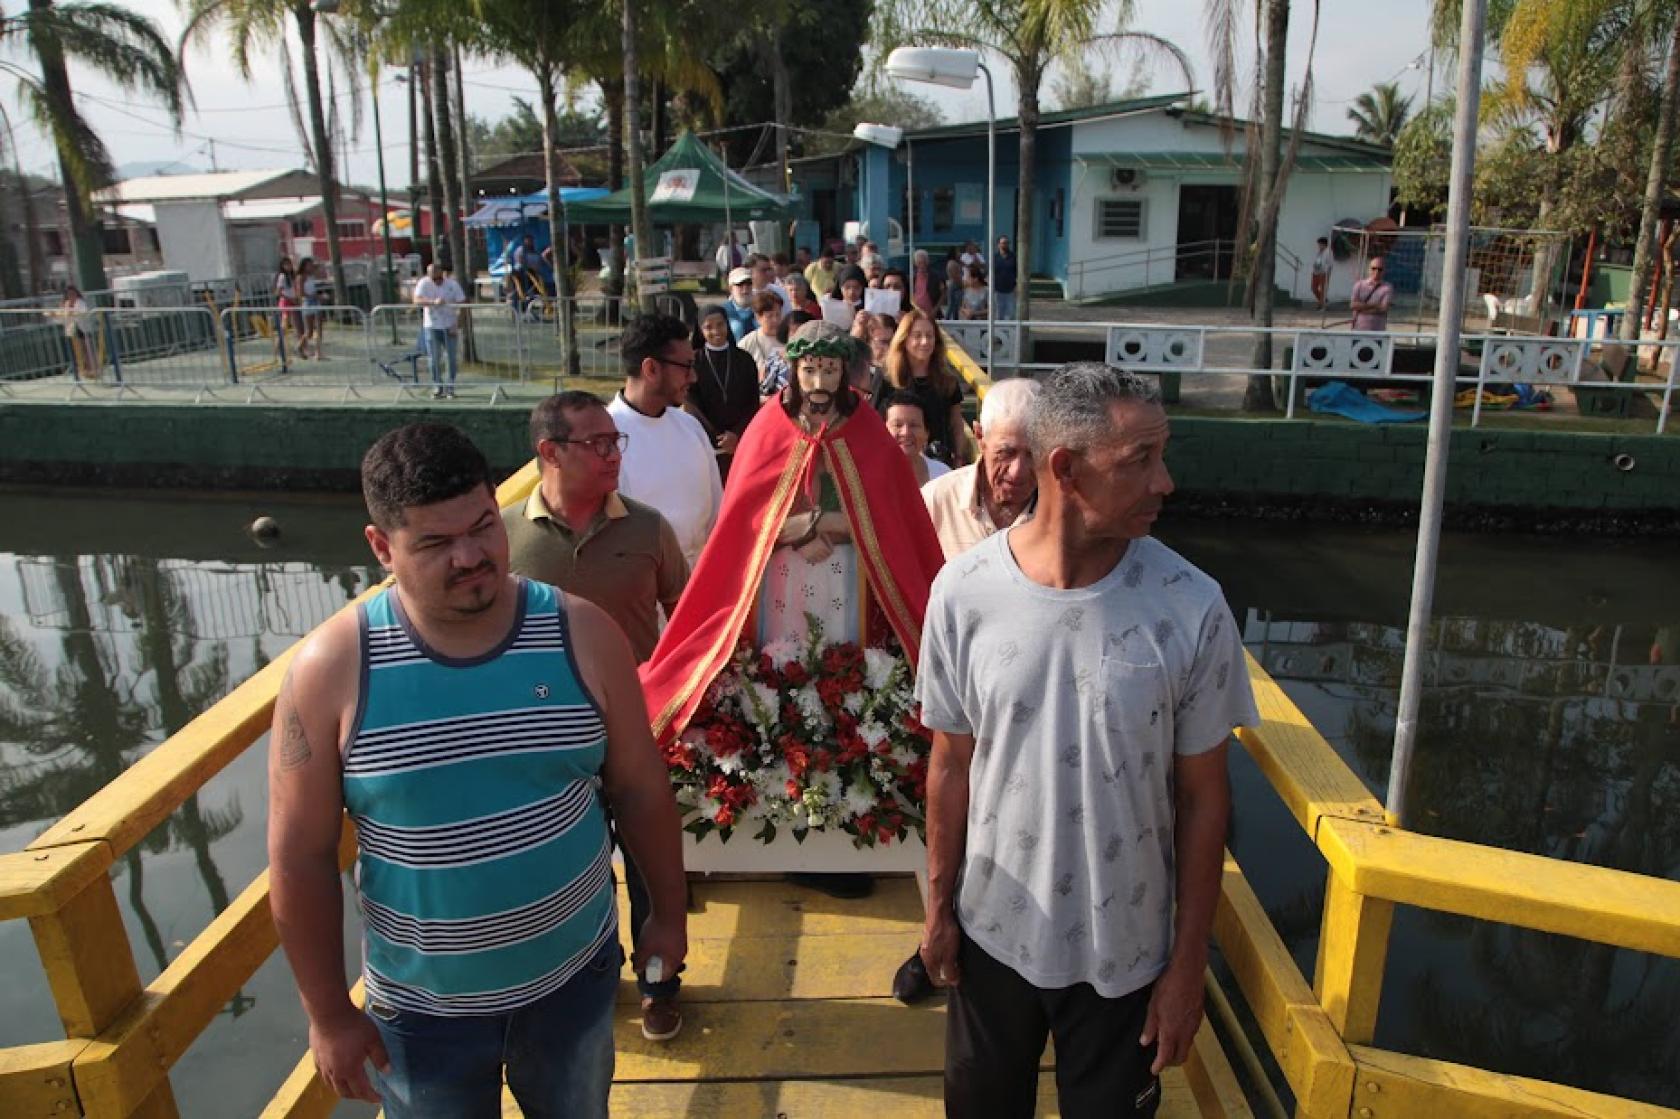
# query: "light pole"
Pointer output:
{"type": "Point", "coordinates": [948, 66]}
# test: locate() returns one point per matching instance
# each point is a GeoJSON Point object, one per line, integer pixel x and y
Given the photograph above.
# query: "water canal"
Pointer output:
{"type": "Point", "coordinates": [1552, 726]}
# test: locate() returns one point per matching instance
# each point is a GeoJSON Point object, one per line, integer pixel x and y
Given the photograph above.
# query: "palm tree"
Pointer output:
{"type": "Point", "coordinates": [641, 230]}
{"type": "Point", "coordinates": [1650, 211]}
{"type": "Point", "coordinates": [1380, 113]}
{"type": "Point", "coordinates": [1031, 36]}
{"type": "Point", "coordinates": [256, 24]}
{"type": "Point", "coordinates": [121, 45]}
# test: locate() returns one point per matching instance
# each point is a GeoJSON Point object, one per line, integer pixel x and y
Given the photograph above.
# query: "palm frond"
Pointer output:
{"type": "Point", "coordinates": [122, 45]}
{"type": "Point", "coordinates": [1221, 17]}
{"type": "Point", "coordinates": [1151, 47]}
{"type": "Point", "coordinates": [85, 158]}
{"type": "Point", "coordinates": [294, 109]}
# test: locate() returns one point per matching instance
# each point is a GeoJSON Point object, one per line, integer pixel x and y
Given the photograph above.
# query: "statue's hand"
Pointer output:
{"type": "Point", "coordinates": [834, 528]}
{"type": "Point", "coordinates": [815, 550]}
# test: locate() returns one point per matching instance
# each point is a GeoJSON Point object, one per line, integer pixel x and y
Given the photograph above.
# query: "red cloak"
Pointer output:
{"type": "Point", "coordinates": [896, 547]}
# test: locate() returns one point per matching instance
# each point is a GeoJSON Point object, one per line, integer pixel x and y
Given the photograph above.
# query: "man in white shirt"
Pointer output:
{"type": "Point", "coordinates": [971, 503]}
{"type": "Point", "coordinates": [1324, 262]}
{"type": "Point", "coordinates": [669, 463]}
{"type": "Point", "coordinates": [764, 279]}
{"type": "Point", "coordinates": [439, 295]}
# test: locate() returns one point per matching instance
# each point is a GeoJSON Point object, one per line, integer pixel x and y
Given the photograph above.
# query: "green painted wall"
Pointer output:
{"type": "Point", "coordinates": [320, 448]}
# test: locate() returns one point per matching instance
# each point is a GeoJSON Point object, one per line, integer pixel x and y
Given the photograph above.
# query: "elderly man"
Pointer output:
{"type": "Point", "coordinates": [969, 504]}
{"type": "Point", "coordinates": [575, 532]}
{"type": "Point", "coordinates": [1081, 680]}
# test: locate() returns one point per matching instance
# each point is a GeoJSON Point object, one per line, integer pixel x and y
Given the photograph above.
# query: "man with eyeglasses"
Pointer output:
{"type": "Point", "coordinates": [578, 533]}
{"type": "Point", "coordinates": [669, 463]}
{"type": "Point", "coordinates": [1371, 298]}
{"type": "Point", "coordinates": [738, 307]}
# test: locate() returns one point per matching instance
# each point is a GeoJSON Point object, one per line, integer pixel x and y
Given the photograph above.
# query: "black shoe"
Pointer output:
{"type": "Point", "coordinates": [912, 983]}
{"type": "Point", "coordinates": [846, 887]}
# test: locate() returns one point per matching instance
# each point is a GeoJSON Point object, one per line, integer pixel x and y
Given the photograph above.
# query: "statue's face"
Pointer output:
{"type": "Point", "coordinates": [819, 382]}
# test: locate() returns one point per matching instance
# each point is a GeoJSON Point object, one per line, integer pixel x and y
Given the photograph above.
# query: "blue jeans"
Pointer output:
{"type": "Point", "coordinates": [441, 344]}
{"type": "Point", "coordinates": [1005, 306]}
{"type": "Point", "coordinates": [557, 1052]}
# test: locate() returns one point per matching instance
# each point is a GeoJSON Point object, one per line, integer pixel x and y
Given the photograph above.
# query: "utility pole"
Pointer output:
{"type": "Point", "coordinates": [1473, 21]}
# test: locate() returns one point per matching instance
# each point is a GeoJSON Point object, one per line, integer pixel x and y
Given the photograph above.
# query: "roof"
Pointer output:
{"type": "Point", "coordinates": [710, 193]}
{"type": "Point", "coordinates": [269, 209]}
{"type": "Point", "coordinates": [175, 188]}
{"type": "Point", "coordinates": [527, 165]}
{"type": "Point", "coordinates": [1196, 161]}
{"type": "Point", "coordinates": [520, 209]}
{"type": "Point", "coordinates": [1346, 143]}
{"type": "Point", "coordinates": [1057, 119]}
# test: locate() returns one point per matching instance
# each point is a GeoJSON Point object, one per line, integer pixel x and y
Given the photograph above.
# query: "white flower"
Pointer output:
{"type": "Point", "coordinates": [878, 667]}
{"type": "Point", "coordinates": [872, 732]}
{"type": "Point", "coordinates": [709, 808]}
{"type": "Point", "coordinates": [772, 780]}
{"type": "Point", "coordinates": [810, 704]}
{"type": "Point", "coordinates": [767, 704]}
{"type": "Point", "coordinates": [784, 650]}
{"type": "Point", "coordinates": [853, 703]}
{"type": "Point", "coordinates": [903, 755]}
{"type": "Point", "coordinates": [859, 800]}
{"type": "Point", "coordinates": [731, 764]}
{"type": "Point", "coordinates": [696, 738]}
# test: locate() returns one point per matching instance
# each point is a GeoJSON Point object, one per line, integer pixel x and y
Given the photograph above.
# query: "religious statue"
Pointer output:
{"type": "Point", "coordinates": [821, 520]}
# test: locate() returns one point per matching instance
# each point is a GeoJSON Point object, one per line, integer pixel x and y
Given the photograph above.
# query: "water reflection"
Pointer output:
{"type": "Point", "coordinates": [103, 656]}
{"type": "Point", "coordinates": [1557, 740]}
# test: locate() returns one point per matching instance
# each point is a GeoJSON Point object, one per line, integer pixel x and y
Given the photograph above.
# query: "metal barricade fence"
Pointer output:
{"type": "Point", "coordinates": [490, 345]}
{"type": "Point", "coordinates": [302, 346]}
{"type": "Point", "coordinates": [127, 346]}
{"type": "Point", "coordinates": [598, 321]}
{"type": "Point", "coordinates": [33, 345]}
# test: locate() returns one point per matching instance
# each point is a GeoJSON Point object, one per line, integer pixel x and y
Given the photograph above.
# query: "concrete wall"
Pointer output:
{"type": "Point", "coordinates": [1322, 466]}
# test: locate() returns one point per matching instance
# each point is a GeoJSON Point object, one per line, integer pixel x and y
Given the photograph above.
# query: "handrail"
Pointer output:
{"type": "Point", "coordinates": [122, 1037]}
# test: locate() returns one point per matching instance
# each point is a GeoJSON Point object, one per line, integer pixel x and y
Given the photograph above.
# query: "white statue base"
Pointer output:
{"type": "Point", "coordinates": [824, 852]}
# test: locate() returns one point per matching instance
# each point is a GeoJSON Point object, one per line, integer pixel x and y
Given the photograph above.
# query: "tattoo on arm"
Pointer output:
{"type": "Point", "coordinates": [294, 741]}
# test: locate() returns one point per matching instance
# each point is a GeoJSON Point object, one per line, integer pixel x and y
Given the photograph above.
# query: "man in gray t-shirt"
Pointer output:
{"type": "Point", "coordinates": [1081, 679]}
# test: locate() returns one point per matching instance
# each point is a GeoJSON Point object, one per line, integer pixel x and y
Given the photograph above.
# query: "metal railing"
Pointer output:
{"type": "Point", "coordinates": [122, 1037]}
{"type": "Point", "coordinates": [1158, 266]}
{"type": "Point", "coordinates": [1490, 364]}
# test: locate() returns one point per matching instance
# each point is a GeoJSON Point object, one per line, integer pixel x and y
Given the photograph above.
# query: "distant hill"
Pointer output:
{"type": "Point", "coordinates": [155, 167]}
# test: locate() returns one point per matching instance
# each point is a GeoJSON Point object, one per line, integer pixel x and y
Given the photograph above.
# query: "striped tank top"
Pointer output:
{"type": "Point", "coordinates": [484, 869]}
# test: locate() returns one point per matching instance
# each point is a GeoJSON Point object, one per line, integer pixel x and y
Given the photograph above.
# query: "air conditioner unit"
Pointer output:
{"type": "Point", "coordinates": [1126, 178]}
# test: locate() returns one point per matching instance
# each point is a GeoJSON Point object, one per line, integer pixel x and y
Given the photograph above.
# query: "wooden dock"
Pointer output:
{"type": "Point", "coordinates": [788, 1012]}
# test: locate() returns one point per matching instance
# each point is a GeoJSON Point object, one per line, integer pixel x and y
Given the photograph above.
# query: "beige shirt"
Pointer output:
{"type": "Point", "coordinates": [959, 516]}
{"type": "Point", "coordinates": [627, 561]}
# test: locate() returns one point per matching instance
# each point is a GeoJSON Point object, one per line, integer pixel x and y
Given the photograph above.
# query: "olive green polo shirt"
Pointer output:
{"type": "Point", "coordinates": [627, 561]}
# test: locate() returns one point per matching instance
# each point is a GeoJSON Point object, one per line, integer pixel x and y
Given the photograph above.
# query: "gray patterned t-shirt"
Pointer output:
{"type": "Point", "coordinates": [1078, 701]}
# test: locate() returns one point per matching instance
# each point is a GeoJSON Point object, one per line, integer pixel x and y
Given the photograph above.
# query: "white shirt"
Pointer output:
{"type": "Point", "coordinates": [935, 468]}
{"type": "Point", "coordinates": [672, 466]}
{"type": "Point", "coordinates": [440, 317]}
{"type": "Point", "coordinates": [1323, 263]}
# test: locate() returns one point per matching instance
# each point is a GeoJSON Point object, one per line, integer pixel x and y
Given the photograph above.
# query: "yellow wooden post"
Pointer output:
{"type": "Point", "coordinates": [90, 969]}
{"type": "Point", "coordinates": [1352, 951]}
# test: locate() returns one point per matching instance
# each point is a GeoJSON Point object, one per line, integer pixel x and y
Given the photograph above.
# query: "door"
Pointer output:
{"type": "Point", "coordinates": [1207, 231]}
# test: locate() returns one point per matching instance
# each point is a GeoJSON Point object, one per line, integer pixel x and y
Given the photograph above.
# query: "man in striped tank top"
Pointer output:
{"type": "Point", "coordinates": [477, 727]}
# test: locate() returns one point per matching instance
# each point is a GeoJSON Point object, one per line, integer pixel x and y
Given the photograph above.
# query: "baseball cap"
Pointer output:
{"type": "Point", "coordinates": [740, 276]}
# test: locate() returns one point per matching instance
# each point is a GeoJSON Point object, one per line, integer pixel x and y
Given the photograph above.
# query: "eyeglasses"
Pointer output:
{"type": "Point", "coordinates": [678, 364]}
{"type": "Point", "coordinates": [603, 445]}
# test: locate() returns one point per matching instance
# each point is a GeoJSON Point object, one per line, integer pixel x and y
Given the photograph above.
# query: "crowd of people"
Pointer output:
{"type": "Point", "coordinates": [491, 720]}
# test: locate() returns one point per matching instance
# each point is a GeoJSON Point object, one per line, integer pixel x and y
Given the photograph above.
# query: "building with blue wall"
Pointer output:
{"type": "Point", "coordinates": [1131, 194]}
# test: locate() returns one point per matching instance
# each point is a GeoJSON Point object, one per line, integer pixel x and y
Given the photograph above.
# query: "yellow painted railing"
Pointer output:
{"type": "Point", "coordinates": [122, 1037]}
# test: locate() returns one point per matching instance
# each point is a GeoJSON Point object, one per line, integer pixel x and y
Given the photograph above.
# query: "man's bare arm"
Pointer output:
{"type": "Point", "coordinates": [1202, 809]}
{"type": "Point", "coordinates": [638, 788]}
{"type": "Point", "coordinates": [947, 837]}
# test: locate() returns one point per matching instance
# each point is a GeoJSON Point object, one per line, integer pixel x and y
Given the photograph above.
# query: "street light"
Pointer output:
{"type": "Point", "coordinates": [889, 137]}
{"type": "Point", "coordinates": [948, 66]}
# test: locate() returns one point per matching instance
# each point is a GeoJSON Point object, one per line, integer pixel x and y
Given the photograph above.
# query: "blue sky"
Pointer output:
{"type": "Point", "coordinates": [1358, 44]}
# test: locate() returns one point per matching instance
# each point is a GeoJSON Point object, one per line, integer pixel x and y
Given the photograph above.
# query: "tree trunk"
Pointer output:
{"type": "Point", "coordinates": [558, 235]}
{"type": "Point", "coordinates": [781, 95]}
{"type": "Point", "coordinates": [446, 161]}
{"type": "Point", "coordinates": [1026, 194]}
{"type": "Point", "coordinates": [640, 230]}
{"type": "Point", "coordinates": [11, 281]}
{"type": "Point", "coordinates": [31, 222]}
{"type": "Point", "coordinates": [324, 169]}
{"type": "Point", "coordinates": [1257, 397]}
{"type": "Point", "coordinates": [463, 163]}
{"type": "Point", "coordinates": [85, 241]}
{"type": "Point", "coordinates": [1665, 261]}
{"type": "Point", "coordinates": [656, 115]}
{"type": "Point", "coordinates": [612, 98]}
{"type": "Point", "coordinates": [1651, 212]}
{"type": "Point", "coordinates": [434, 194]}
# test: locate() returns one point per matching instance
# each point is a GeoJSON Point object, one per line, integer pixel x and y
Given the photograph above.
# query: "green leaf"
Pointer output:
{"type": "Point", "coordinates": [799, 834]}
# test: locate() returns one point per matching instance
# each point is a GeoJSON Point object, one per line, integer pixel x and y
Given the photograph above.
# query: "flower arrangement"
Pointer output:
{"type": "Point", "coordinates": [807, 736]}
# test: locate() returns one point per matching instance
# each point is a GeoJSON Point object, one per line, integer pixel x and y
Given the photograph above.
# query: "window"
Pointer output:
{"type": "Point", "coordinates": [352, 229]}
{"type": "Point", "coordinates": [54, 241]}
{"type": "Point", "coordinates": [1119, 218]}
{"type": "Point", "coordinates": [303, 227]}
{"type": "Point", "coordinates": [944, 209]}
{"type": "Point", "coordinates": [113, 240]}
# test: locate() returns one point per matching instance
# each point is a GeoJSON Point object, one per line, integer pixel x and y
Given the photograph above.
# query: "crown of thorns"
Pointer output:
{"type": "Point", "coordinates": [820, 339]}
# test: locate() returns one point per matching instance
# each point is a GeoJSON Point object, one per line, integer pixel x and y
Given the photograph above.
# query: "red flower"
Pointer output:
{"type": "Point", "coordinates": [725, 817]}
{"type": "Point", "coordinates": [795, 674]}
{"type": "Point", "coordinates": [865, 823]}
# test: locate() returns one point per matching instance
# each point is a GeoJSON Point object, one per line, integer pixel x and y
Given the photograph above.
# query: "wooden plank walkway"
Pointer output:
{"type": "Point", "coordinates": [788, 1012]}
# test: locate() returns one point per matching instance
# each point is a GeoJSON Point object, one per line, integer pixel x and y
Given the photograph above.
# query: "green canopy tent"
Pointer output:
{"type": "Point", "coordinates": [689, 185]}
